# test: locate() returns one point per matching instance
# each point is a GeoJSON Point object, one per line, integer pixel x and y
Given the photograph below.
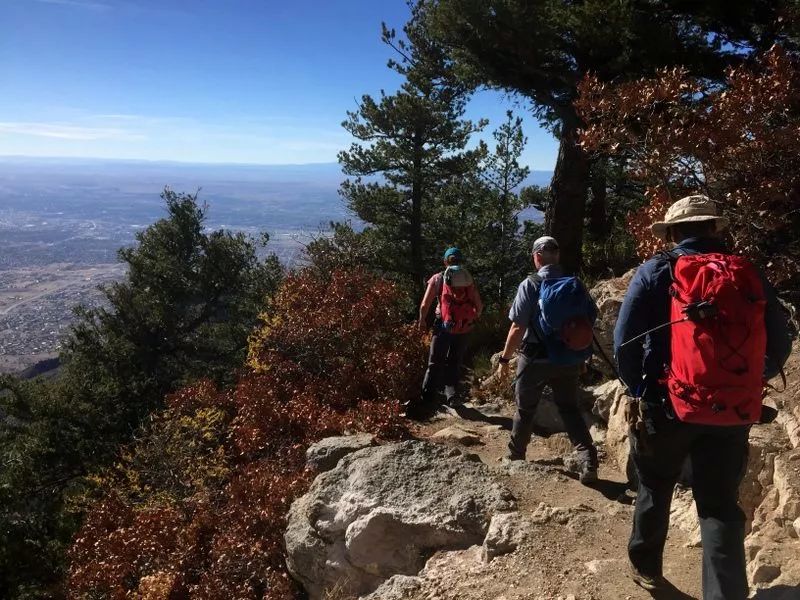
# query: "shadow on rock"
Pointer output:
{"type": "Point", "coordinates": [469, 413]}
{"type": "Point", "coordinates": [670, 592]}
{"type": "Point", "coordinates": [612, 490]}
{"type": "Point", "coordinates": [779, 592]}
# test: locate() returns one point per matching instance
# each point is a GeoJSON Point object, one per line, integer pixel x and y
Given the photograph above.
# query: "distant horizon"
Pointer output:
{"type": "Point", "coordinates": [158, 161]}
{"type": "Point", "coordinates": [76, 159]}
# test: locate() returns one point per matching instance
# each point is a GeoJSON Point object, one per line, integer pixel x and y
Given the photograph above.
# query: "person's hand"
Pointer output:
{"type": "Point", "coordinates": [502, 371]}
{"type": "Point", "coordinates": [632, 412]}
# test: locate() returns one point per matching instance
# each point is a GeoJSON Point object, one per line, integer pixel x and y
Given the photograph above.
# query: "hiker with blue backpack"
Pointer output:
{"type": "Point", "coordinates": [551, 325]}
{"type": "Point", "coordinates": [457, 306]}
{"type": "Point", "coordinates": [698, 335]}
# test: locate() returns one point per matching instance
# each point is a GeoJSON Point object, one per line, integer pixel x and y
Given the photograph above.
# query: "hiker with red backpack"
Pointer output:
{"type": "Point", "coordinates": [698, 335]}
{"type": "Point", "coordinates": [458, 306]}
{"type": "Point", "coordinates": [551, 323]}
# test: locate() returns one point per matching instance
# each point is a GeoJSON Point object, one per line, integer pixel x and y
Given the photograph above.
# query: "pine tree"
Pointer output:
{"type": "Point", "coordinates": [503, 175]}
{"type": "Point", "coordinates": [184, 312]}
{"type": "Point", "coordinates": [541, 50]}
{"type": "Point", "coordinates": [415, 142]}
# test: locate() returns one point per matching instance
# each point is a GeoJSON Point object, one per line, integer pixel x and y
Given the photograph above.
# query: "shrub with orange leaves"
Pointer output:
{"type": "Point", "coordinates": [196, 508]}
{"type": "Point", "coordinates": [738, 143]}
{"type": "Point", "coordinates": [640, 220]}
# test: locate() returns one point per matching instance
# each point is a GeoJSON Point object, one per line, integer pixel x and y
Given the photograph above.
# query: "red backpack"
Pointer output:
{"type": "Point", "coordinates": [456, 307]}
{"type": "Point", "coordinates": [718, 341]}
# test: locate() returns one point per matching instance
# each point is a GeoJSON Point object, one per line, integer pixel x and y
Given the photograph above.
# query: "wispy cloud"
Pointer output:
{"type": "Point", "coordinates": [121, 134]}
{"type": "Point", "coordinates": [68, 132]}
{"type": "Point", "coordinates": [88, 4]}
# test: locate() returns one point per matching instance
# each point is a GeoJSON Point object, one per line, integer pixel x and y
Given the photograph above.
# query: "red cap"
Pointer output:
{"type": "Point", "coordinates": [577, 333]}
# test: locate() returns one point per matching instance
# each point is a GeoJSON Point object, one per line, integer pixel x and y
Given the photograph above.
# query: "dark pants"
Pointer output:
{"type": "Point", "coordinates": [718, 458]}
{"type": "Point", "coordinates": [444, 365]}
{"type": "Point", "coordinates": [532, 377]}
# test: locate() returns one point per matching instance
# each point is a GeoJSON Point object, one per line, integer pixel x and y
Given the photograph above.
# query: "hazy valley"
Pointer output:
{"type": "Point", "coordinates": [62, 221]}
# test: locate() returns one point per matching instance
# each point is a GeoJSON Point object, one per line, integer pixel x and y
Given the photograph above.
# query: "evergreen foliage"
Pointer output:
{"type": "Point", "coordinates": [184, 311]}
{"type": "Point", "coordinates": [503, 174]}
{"type": "Point", "coordinates": [416, 142]}
{"type": "Point", "coordinates": [542, 49]}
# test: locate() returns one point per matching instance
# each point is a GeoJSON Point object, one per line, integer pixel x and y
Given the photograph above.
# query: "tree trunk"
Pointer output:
{"type": "Point", "coordinates": [502, 261]}
{"type": "Point", "coordinates": [564, 218]}
{"type": "Point", "coordinates": [416, 221]}
{"type": "Point", "coordinates": [598, 222]}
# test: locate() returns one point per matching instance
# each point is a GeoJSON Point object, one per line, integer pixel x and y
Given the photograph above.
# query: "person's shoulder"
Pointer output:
{"type": "Point", "coordinates": [655, 270]}
{"type": "Point", "coordinates": [435, 278]}
{"type": "Point", "coordinates": [530, 285]}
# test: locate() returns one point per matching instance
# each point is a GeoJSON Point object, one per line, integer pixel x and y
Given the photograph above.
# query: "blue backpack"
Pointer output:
{"type": "Point", "coordinates": [566, 317]}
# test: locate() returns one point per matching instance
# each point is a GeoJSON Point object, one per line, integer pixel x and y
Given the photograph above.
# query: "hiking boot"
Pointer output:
{"type": "Point", "coordinates": [588, 474]}
{"type": "Point", "coordinates": [513, 455]}
{"type": "Point", "coordinates": [768, 414]}
{"type": "Point", "coordinates": [650, 583]}
{"type": "Point", "coordinates": [445, 410]}
{"type": "Point", "coordinates": [413, 414]}
{"type": "Point", "coordinates": [454, 401]}
{"type": "Point", "coordinates": [414, 411]}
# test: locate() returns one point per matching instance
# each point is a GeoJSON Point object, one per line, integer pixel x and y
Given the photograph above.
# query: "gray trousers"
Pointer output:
{"type": "Point", "coordinates": [532, 377]}
{"type": "Point", "coordinates": [444, 365]}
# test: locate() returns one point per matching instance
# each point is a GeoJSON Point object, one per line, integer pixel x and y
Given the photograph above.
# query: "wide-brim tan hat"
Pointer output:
{"type": "Point", "coordinates": [687, 210]}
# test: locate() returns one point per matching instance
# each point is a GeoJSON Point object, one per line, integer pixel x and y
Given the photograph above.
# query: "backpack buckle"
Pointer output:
{"type": "Point", "coordinates": [699, 311]}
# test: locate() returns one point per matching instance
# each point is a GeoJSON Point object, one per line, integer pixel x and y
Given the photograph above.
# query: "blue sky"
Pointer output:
{"type": "Point", "coordinates": [245, 81]}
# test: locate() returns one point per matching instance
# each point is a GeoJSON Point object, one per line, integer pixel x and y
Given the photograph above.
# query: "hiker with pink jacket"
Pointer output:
{"type": "Point", "coordinates": [458, 306]}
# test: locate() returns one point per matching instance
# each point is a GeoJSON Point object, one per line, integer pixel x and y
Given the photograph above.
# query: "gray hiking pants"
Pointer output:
{"type": "Point", "coordinates": [532, 377]}
{"type": "Point", "coordinates": [444, 365]}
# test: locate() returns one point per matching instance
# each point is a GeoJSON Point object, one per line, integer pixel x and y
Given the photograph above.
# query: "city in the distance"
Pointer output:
{"type": "Point", "coordinates": [63, 220]}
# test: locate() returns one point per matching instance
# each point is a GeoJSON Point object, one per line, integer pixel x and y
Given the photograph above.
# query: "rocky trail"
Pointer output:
{"type": "Point", "coordinates": [445, 517]}
{"type": "Point", "coordinates": [547, 537]}
{"type": "Point", "coordinates": [566, 540]}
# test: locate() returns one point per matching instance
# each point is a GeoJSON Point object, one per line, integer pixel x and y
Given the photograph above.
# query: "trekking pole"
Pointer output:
{"type": "Point", "coordinates": [605, 357]}
{"type": "Point", "coordinates": [654, 329]}
{"type": "Point", "coordinates": [610, 363]}
{"type": "Point", "coordinates": [695, 311]}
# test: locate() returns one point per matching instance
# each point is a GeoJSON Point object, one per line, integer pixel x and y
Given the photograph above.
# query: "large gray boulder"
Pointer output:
{"type": "Point", "coordinates": [382, 511]}
{"type": "Point", "coordinates": [608, 295]}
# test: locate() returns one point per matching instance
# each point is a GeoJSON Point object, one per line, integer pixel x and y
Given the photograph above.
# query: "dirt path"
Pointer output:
{"type": "Point", "coordinates": [582, 559]}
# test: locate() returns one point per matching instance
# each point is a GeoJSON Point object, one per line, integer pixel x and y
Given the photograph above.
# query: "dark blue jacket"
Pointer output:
{"type": "Point", "coordinates": [647, 305]}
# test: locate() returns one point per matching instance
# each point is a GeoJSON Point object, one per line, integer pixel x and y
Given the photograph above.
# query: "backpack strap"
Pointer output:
{"type": "Point", "coordinates": [672, 256]}
{"type": "Point", "coordinates": [536, 280]}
